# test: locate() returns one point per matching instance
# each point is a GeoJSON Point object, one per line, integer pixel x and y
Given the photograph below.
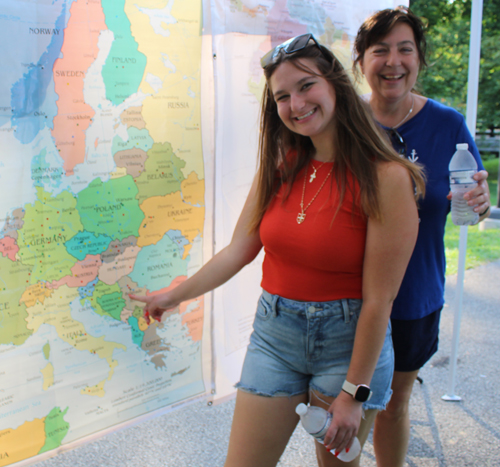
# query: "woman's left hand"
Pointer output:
{"type": "Point", "coordinates": [345, 422]}
{"type": "Point", "coordinates": [478, 197]}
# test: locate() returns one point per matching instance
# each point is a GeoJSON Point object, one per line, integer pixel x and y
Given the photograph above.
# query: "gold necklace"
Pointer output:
{"type": "Point", "coordinates": [301, 216]}
{"type": "Point", "coordinates": [313, 175]}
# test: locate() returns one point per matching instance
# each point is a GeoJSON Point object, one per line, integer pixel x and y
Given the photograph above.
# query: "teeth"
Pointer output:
{"type": "Point", "coordinates": [392, 77]}
{"type": "Point", "coordinates": [306, 115]}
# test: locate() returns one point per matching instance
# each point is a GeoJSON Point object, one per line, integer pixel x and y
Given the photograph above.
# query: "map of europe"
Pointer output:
{"type": "Point", "coordinates": [102, 194]}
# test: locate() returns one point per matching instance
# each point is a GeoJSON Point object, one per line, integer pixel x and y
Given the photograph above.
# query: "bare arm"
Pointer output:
{"type": "Point", "coordinates": [389, 245]}
{"type": "Point", "coordinates": [244, 247]}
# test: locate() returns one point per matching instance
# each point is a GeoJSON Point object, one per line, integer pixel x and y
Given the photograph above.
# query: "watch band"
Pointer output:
{"type": "Point", "coordinates": [360, 392]}
{"type": "Point", "coordinates": [481, 214]}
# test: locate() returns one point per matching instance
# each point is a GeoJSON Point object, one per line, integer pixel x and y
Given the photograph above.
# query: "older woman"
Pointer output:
{"type": "Point", "coordinates": [390, 51]}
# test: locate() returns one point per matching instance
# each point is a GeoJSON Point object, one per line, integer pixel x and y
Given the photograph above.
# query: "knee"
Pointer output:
{"type": "Point", "coordinates": [397, 408]}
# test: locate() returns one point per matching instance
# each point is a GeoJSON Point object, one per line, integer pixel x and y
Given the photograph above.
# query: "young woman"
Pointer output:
{"type": "Point", "coordinates": [334, 208]}
{"type": "Point", "coordinates": [390, 48]}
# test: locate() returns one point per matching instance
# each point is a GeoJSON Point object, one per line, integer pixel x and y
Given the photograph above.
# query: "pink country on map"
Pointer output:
{"type": "Point", "coordinates": [193, 319]}
{"type": "Point", "coordinates": [79, 51]}
{"type": "Point", "coordinates": [83, 272]}
{"type": "Point", "coordinates": [8, 247]}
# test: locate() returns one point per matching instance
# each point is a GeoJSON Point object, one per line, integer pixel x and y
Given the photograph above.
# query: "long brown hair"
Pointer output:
{"type": "Point", "coordinates": [359, 141]}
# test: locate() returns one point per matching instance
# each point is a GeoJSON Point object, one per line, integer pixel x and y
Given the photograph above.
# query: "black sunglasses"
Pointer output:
{"type": "Point", "coordinates": [289, 47]}
{"type": "Point", "coordinates": [398, 142]}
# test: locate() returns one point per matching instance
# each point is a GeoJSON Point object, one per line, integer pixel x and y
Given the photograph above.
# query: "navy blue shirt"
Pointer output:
{"type": "Point", "coordinates": [431, 138]}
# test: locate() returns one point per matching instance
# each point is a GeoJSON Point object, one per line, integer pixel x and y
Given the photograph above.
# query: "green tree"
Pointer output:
{"type": "Point", "coordinates": [489, 82]}
{"type": "Point", "coordinates": [448, 32]}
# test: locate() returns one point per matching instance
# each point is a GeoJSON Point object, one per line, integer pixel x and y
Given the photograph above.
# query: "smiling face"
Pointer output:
{"type": "Point", "coordinates": [391, 65]}
{"type": "Point", "coordinates": [306, 102]}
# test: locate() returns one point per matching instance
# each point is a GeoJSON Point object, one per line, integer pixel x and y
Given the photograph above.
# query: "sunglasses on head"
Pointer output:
{"type": "Point", "coordinates": [290, 46]}
{"type": "Point", "coordinates": [398, 142]}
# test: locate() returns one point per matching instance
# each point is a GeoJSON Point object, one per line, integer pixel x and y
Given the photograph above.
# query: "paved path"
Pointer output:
{"type": "Point", "coordinates": [443, 434]}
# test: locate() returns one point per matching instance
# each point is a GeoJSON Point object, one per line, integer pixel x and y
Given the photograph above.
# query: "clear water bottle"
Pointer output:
{"type": "Point", "coordinates": [462, 167]}
{"type": "Point", "coordinates": [316, 421]}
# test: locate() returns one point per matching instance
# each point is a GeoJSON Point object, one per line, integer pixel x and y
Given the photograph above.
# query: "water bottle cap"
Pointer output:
{"type": "Point", "coordinates": [301, 409]}
{"type": "Point", "coordinates": [462, 146]}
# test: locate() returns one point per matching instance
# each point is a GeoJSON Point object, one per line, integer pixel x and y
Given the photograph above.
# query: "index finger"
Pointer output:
{"type": "Point", "coordinates": [481, 175]}
{"type": "Point", "coordinates": [139, 298]}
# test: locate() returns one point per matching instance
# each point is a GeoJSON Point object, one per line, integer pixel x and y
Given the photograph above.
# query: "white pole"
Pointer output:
{"type": "Point", "coordinates": [472, 92]}
{"type": "Point", "coordinates": [474, 59]}
{"type": "Point", "coordinates": [462, 250]}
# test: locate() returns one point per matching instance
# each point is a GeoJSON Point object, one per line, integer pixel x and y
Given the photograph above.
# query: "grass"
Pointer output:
{"type": "Point", "coordinates": [491, 165]}
{"type": "Point", "coordinates": [482, 246]}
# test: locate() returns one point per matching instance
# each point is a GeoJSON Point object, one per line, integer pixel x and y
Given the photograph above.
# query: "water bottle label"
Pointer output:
{"type": "Point", "coordinates": [320, 435]}
{"type": "Point", "coordinates": [462, 177]}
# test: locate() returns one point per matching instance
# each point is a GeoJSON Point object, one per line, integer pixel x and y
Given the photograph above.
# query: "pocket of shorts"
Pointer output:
{"type": "Point", "coordinates": [264, 309]}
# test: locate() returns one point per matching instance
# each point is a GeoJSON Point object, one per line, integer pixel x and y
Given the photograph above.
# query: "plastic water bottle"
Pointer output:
{"type": "Point", "coordinates": [316, 421]}
{"type": "Point", "coordinates": [462, 167]}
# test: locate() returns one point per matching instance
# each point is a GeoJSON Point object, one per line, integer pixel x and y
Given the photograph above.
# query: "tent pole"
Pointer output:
{"type": "Point", "coordinates": [472, 93]}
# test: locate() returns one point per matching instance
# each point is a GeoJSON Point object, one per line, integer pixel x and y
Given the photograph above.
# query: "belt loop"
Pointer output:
{"type": "Point", "coordinates": [345, 308]}
{"type": "Point", "coordinates": [274, 305]}
{"type": "Point", "coordinates": [272, 299]}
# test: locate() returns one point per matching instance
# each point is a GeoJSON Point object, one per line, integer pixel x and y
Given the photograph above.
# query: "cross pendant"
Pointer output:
{"type": "Point", "coordinates": [312, 177]}
{"type": "Point", "coordinates": [300, 217]}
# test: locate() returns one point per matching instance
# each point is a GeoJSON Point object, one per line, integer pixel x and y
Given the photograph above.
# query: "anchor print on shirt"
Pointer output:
{"type": "Point", "coordinates": [413, 157]}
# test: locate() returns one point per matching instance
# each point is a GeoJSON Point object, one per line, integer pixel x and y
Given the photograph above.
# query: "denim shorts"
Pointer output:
{"type": "Point", "coordinates": [297, 346]}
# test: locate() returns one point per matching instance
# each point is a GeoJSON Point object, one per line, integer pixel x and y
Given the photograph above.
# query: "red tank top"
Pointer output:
{"type": "Point", "coordinates": [322, 258]}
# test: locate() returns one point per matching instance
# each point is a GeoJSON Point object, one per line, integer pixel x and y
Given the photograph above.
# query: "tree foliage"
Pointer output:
{"type": "Point", "coordinates": [448, 33]}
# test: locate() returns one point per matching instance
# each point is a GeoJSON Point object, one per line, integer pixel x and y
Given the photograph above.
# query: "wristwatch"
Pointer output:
{"type": "Point", "coordinates": [361, 392]}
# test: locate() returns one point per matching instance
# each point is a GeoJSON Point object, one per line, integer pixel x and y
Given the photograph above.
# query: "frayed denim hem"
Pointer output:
{"type": "Point", "coordinates": [368, 406]}
{"type": "Point", "coordinates": [277, 393]}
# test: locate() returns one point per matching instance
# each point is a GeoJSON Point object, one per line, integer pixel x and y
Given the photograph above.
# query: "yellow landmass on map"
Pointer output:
{"type": "Point", "coordinates": [48, 376]}
{"type": "Point", "coordinates": [98, 389]}
{"type": "Point", "coordinates": [170, 212]}
{"type": "Point", "coordinates": [172, 75]}
{"type": "Point", "coordinates": [142, 324]}
{"type": "Point", "coordinates": [339, 43]}
{"type": "Point", "coordinates": [36, 292]}
{"type": "Point", "coordinates": [22, 442]}
{"type": "Point", "coordinates": [54, 305]}
{"type": "Point", "coordinates": [256, 88]}
{"type": "Point", "coordinates": [56, 311]}
{"type": "Point", "coordinates": [193, 190]}
{"type": "Point", "coordinates": [118, 173]}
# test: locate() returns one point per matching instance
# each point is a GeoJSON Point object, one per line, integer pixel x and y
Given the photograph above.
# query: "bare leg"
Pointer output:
{"type": "Point", "coordinates": [261, 429]}
{"type": "Point", "coordinates": [392, 426]}
{"type": "Point", "coordinates": [327, 459]}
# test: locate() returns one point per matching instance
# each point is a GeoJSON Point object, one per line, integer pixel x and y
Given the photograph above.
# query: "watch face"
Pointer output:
{"type": "Point", "coordinates": [362, 393]}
